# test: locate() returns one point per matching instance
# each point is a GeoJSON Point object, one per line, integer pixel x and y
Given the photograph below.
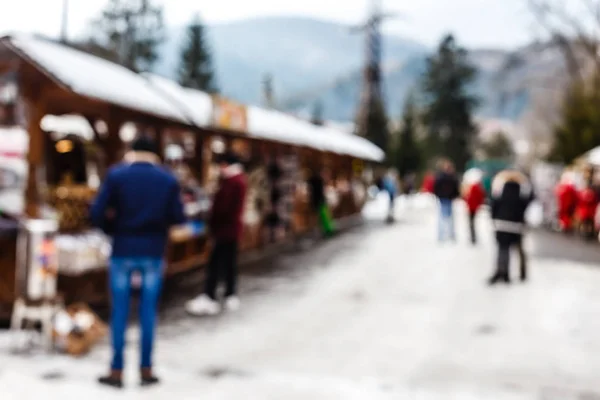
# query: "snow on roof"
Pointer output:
{"type": "Point", "coordinates": [94, 77]}
{"type": "Point", "coordinates": [196, 105]}
{"type": "Point", "coordinates": [351, 144]}
{"type": "Point", "coordinates": [280, 127]}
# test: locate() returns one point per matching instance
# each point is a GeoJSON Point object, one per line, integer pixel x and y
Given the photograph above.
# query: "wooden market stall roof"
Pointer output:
{"type": "Point", "coordinates": [106, 83]}
{"type": "Point", "coordinates": [91, 77]}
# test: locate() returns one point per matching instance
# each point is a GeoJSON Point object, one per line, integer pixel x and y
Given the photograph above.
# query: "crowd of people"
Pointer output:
{"type": "Point", "coordinates": [511, 195]}
{"type": "Point", "coordinates": [140, 201]}
{"type": "Point", "coordinates": [578, 205]}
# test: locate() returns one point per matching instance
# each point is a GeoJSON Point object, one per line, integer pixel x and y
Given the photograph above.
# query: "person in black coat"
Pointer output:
{"type": "Point", "coordinates": [446, 189]}
{"type": "Point", "coordinates": [511, 195]}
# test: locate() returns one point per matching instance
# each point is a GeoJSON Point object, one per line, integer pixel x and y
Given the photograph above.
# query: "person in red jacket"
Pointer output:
{"type": "Point", "coordinates": [225, 225]}
{"type": "Point", "coordinates": [428, 183]}
{"type": "Point", "coordinates": [566, 198]}
{"type": "Point", "coordinates": [473, 193]}
{"type": "Point", "coordinates": [587, 201]}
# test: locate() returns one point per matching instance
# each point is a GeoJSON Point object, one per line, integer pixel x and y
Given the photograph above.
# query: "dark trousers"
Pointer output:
{"type": "Point", "coordinates": [472, 227]}
{"type": "Point", "coordinates": [503, 264]}
{"type": "Point", "coordinates": [222, 265]}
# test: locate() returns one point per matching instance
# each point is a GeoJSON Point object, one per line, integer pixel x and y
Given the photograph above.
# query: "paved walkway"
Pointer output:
{"type": "Point", "coordinates": [382, 312]}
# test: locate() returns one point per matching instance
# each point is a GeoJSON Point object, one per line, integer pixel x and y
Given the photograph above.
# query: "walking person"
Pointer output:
{"type": "Point", "coordinates": [566, 201]}
{"type": "Point", "coordinates": [511, 195]}
{"type": "Point", "coordinates": [318, 202]}
{"type": "Point", "coordinates": [474, 196]}
{"type": "Point", "coordinates": [587, 202]}
{"type": "Point", "coordinates": [389, 185]}
{"type": "Point", "coordinates": [137, 204]}
{"type": "Point", "coordinates": [446, 190]}
{"type": "Point", "coordinates": [225, 225]}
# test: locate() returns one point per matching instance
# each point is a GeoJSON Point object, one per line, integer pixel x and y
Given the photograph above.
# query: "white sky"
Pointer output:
{"type": "Point", "coordinates": [476, 23]}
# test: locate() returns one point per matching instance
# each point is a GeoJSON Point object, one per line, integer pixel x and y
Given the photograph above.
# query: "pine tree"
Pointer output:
{"type": "Point", "coordinates": [579, 129]}
{"type": "Point", "coordinates": [196, 68]}
{"type": "Point", "coordinates": [498, 147]}
{"type": "Point", "coordinates": [376, 129]}
{"type": "Point", "coordinates": [132, 30]}
{"type": "Point", "coordinates": [407, 157]}
{"type": "Point", "coordinates": [317, 116]}
{"type": "Point", "coordinates": [449, 107]}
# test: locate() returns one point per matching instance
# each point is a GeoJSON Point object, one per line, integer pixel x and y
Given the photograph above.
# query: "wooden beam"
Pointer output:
{"type": "Point", "coordinates": [36, 109]}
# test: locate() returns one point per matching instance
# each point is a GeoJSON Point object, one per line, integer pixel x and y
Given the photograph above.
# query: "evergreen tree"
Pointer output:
{"type": "Point", "coordinates": [375, 128]}
{"type": "Point", "coordinates": [317, 116]}
{"type": "Point", "coordinates": [133, 31]}
{"type": "Point", "coordinates": [407, 157]}
{"type": "Point", "coordinates": [449, 107]}
{"type": "Point", "coordinates": [498, 147]}
{"type": "Point", "coordinates": [579, 129]}
{"type": "Point", "coordinates": [196, 68]}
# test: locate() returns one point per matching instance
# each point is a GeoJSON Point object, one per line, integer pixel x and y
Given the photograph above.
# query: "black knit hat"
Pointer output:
{"type": "Point", "coordinates": [144, 144]}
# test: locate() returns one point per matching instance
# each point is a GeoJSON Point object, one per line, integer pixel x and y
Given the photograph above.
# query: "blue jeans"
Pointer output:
{"type": "Point", "coordinates": [446, 223]}
{"type": "Point", "coordinates": [121, 270]}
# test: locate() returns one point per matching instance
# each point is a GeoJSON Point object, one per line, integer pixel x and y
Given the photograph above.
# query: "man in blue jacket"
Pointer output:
{"type": "Point", "coordinates": [137, 204]}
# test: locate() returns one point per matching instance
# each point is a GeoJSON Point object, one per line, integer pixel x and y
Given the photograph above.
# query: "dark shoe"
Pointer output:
{"type": "Point", "coordinates": [498, 279]}
{"type": "Point", "coordinates": [523, 276]}
{"type": "Point", "coordinates": [147, 378]}
{"type": "Point", "coordinates": [114, 380]}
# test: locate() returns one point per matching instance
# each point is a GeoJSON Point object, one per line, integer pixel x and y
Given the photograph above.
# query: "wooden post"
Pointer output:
{"type": "Point", "coordinates": [198, 164]}
{"type": "Point", "coordinates": [113, 145]}
{"type": "Point", "coordinates": [206, 159]}
{"type": "Point", "coordinates": [35, 156]}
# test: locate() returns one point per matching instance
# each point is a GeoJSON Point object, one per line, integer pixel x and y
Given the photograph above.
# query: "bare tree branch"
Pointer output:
{"type": "Point", "coordinates": [571, 33]}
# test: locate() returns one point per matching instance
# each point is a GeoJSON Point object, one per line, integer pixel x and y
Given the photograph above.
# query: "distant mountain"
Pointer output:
{"type": "Point", "coordinates": [507, 84]}
{"type": "Point", "coordinates": [318, 61]}
{"type": "Point", "coordinates": [300, 53]}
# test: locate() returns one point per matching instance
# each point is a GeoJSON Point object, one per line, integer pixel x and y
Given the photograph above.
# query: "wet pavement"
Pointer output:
{"type": "Point", "coordinates": [381, 312]}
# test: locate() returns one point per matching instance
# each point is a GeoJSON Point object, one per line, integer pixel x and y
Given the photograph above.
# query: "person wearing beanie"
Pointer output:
{"type": "Point", "coordinates": [137, 204]}
{"type": "Point", "coordinates": [225, 226]}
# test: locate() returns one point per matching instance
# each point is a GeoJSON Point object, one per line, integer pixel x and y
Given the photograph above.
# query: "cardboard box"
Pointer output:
{"type": "Point", "coordinates": [80, 341]}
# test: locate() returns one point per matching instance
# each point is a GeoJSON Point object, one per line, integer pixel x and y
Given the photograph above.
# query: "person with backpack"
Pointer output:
{"type": "Point", "coordinates": [511, 195]}
{"type": "Point", "coordinates": [446, 190]}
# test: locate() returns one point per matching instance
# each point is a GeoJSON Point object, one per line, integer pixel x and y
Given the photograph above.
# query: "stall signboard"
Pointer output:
{"type": "Point", "coordinates": [358, 167]}
{"type": "Point", "coordinates": [229, 115]}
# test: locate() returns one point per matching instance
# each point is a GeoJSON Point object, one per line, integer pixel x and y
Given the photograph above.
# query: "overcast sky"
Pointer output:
{"type": "Point", "coordinates": [476, 23]}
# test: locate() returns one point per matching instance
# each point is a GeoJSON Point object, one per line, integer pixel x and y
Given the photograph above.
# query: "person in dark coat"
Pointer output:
{"type": "Point", "coordinates": [446, 189]}
{"type": "Point", "coordinates": [138, 203]}
{"type": "Point", "coordinates": [318, 202]}
{"type": "Point", "coordinates": [225, 224]}
{"type": "Point", "coordinates": [511, 195]}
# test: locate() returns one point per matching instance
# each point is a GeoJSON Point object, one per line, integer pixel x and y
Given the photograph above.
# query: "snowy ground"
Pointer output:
{"type": "Point", "coordinates": [381, 312]}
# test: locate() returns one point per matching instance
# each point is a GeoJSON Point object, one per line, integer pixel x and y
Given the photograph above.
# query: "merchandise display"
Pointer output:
{"type": "Point", "coordinates": [81, 253]}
